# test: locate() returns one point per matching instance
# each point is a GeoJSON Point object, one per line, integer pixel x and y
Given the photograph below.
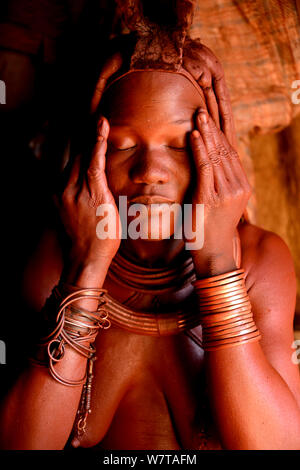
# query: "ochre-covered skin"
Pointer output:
{"type": "Point", "coordinates": [150, 393]}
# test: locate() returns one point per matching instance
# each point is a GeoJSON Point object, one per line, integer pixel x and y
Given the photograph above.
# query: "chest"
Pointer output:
{"type": "Point", "coordinates": [148, 393]}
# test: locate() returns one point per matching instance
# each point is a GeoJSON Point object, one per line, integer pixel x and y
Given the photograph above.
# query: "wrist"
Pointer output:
{"type": "Point", "coordinates": [213, 266]}
{"type": "Point", "coordinates": [214, 261]}
{"type": "Point", "coordinates": [87, 272]}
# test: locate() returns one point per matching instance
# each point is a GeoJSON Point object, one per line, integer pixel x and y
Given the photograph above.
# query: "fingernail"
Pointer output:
{"type": "Point", "coordinates": [99, 126]}
{"type": "Point", "coordinates": [105, 128]}
{"type": "Point", "coordinates": [100, 133]}
{"type": "Point", "coordinates": [202, 115]}
{"type": "Point", "coordinates": [195, 135]}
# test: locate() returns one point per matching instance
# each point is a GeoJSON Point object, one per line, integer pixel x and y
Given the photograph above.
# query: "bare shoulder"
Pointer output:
{"type": "Point", "coordinates": [271, 285]}
{"type": "Point", "coordinates": [267, 259]}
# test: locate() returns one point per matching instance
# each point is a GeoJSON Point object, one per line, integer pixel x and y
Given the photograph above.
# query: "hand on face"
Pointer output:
{"type": "Point", "coordinates": [78, 204]}
{"type": "Point", "coordinates": [209, 74]}
{"type": "Point", "coordinates": [222, 185]}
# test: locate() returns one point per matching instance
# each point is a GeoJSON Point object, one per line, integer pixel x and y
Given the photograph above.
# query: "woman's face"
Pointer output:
{"type": "Point", "coordinates": [150, 116]}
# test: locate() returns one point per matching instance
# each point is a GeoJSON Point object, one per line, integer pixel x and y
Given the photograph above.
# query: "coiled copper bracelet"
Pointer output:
{"type": "Point", "coordinates": [225, 310]}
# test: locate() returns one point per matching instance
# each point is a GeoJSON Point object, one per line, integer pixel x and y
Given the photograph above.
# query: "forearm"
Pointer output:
{"type": "Point", "coordinates": [253, 406]}
{"type": "Point", "coordinates": [39, 412]}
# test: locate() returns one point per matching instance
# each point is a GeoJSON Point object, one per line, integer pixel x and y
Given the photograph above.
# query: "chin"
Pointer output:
{"type": "Point", "coordinates": [153, 229]}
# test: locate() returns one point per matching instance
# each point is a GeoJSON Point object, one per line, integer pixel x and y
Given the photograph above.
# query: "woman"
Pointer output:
{"type": "Point", "coordinates": [160, 141]}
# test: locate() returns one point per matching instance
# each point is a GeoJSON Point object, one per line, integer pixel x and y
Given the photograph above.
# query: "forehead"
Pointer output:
{"type": "Point", "coordinates": [152, 96]}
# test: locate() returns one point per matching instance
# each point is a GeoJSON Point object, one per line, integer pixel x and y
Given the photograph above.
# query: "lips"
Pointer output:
{"type": "Point", "coordinates": [150, 199]}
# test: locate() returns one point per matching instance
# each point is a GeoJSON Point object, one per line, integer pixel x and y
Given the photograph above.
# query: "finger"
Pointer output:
{"type": "Point", "coordinates": [225, 109]}
{"type": "Point", "coordinates": [96, 170]}
{"type": "Point", "coordinates": [222, 95]}
{"type": "Point", "coordinates": [205, 82]}
{"type": "Point", "coordinates": [98, 155]}
{"type": "Point", "coordinates": [111, 67]}
{"type": "Point", "coordinates": [233, 160]}
{"type": "Point", "coordinates": [225, 152]}
{"type": "Point", "coordinates": [201, 67]}
{"type": "Point", "coordinates": [208, 131]}
{"type": "Point", "coordinates": [204, 169]}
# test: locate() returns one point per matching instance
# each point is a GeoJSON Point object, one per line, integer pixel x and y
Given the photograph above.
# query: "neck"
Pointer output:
{"type": "Point", "coordinates": [152, 253]}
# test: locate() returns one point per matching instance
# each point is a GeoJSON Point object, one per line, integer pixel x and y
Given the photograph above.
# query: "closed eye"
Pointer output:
{"type": "Point", "coordinates": [178, 149]}
{"type": "Point", "coordinates": [117, 149]}
{"type": "Point", "coordinates": [126, 150]}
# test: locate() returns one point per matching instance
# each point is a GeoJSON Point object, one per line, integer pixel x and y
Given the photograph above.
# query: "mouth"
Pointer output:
{"type": "Point", "coordinates": [151, 199]}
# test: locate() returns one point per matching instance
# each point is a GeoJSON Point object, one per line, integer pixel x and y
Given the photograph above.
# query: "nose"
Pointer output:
{"type": "Point", "coordinates": [149, 167]}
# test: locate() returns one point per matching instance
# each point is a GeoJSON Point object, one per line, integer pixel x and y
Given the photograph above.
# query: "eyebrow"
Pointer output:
{"type": "Point", "coordinates": [181, 121]}
{"type": "Point", "coordinates": [177, 121]}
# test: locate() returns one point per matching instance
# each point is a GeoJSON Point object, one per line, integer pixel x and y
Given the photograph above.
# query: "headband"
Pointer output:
{"type": "Point", "coordinates": [183, 72]}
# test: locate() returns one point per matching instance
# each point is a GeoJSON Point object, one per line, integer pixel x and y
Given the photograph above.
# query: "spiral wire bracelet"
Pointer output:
{"type": "Point", "coordinates": [76, 327]}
